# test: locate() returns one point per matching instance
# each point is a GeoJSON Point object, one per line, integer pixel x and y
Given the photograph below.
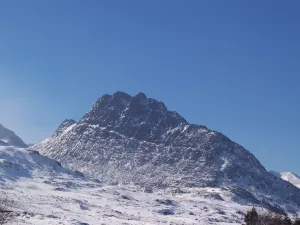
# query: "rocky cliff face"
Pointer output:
{"type": "Point", "coordinates": [137, 140]}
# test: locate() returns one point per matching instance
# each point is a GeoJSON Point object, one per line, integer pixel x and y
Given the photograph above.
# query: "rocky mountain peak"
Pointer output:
{"type": "Point", "coordinates": [140, 96]}
{"type": "Point", "coordinates": [134, 116]}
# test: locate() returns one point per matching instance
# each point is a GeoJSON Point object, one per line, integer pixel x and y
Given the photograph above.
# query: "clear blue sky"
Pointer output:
{"type": "Point", "coordinates": [233, 66]}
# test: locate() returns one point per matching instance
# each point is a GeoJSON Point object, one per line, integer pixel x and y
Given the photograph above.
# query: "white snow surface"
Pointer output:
{"type": "Point", "coordinates": [46, 193]}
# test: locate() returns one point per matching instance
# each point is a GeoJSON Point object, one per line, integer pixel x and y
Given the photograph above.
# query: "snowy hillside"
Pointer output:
{"type": "Point", "coordinates": [46, 193]}
{"type": "Point", "coordinates": [18, 163]}
{"type": "Point", "coordinates": [136, 140]}
{"type": "Point", "coordinates": [8, 137]}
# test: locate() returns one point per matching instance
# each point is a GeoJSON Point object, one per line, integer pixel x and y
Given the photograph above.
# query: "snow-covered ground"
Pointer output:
{"type": "Point", "coordinates": [46, 193]}
{"type": "Point", "coordinates": [66, 201]}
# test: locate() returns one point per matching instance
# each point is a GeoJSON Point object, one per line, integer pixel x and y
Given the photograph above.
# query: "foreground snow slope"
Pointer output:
{"type": "Point", "coordinates": [54, 202]}
{"type": "Point", "coordinates": [46, 193]}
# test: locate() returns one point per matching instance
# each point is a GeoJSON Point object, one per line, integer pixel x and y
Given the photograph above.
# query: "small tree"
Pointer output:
{"type": "Point", "coordinates": [251, 217]}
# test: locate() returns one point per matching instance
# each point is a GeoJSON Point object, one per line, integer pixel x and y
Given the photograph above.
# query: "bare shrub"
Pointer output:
{"type": "Point", "coordinates": [268, 218]}
{"type": "Point", "coordinates": [6, 212]}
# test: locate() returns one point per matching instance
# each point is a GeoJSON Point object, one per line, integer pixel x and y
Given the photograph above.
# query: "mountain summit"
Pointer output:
{"type": "Point", "coordinates": [127, 139]}
{"type": "Point", "coordinates": [135, 117]}
{"type": "Point", "coordinates": [8, 137]}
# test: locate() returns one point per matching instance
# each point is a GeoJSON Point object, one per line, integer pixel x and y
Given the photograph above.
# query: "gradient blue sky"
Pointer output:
{"type": "Point", "coordinates": [233, 66]}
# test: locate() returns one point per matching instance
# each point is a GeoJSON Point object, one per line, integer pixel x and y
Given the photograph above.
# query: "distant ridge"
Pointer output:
{"type": "Point", "coordinates": [8, 137]}
{"type": "Point", "coordinates": [291, 177]}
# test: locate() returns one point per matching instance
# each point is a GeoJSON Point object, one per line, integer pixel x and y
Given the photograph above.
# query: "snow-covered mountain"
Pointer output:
{"type": "Point", "coordinates": [136, 140]}
{"type": "Point", "coordinates": [8, 137]}
{"type": "Point", "coordinates": [288, 176]}
{"type": "Point", "coordinates": [291, 177]}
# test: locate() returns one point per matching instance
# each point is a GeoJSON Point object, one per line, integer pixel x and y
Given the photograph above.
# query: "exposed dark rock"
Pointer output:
{"type": "Point", "coordinates": [166, 212]}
